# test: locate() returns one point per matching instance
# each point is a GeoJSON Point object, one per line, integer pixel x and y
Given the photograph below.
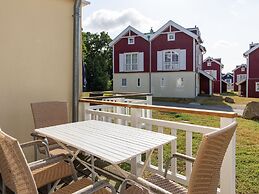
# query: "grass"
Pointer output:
{"type": "Point", "coordinates": [211, 100]}
{"type": "Point", "coordinates": [247, 147]}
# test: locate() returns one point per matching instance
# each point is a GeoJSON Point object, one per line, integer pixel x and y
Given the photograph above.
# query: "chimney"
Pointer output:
{"type": "Point", "coordinates": [252, 45]}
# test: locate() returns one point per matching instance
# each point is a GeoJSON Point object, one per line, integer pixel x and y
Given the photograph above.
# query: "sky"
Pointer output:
{"type": "Point", "coordinates": [227, 26]}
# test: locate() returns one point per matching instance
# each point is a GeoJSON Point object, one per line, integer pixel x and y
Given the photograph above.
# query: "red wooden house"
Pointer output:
{"type": "Point", "coordinates": [214, 68]}
{"type": "Point", "coordinates": [239, 75]}
{"type": "Point", "coordinates": [166, 63]}
{"type": "Point", "coordinates": [252, 81]}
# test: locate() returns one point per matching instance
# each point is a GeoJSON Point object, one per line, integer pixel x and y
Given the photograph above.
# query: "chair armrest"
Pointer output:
{"type": "Point", "coordinates": [132, 179]}
{"type": "Point", "coordinates": [183, 157]}
{"type": "Point", "coordinates": [37, 135]}
{"type": "Point", "coordinates": [95, 187]}
{"type": "Point", "coordinates": [36, 143]}
{"type": "Point", "coordinates": [180, 156]}
{"type": "Point", "coordinates": [45, 162]}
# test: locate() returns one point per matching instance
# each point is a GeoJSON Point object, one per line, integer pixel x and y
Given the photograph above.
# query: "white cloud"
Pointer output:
{"type": "Point", "coordinates": [224, 44]}
{"type": "Point", "coordinates": [115, 21]}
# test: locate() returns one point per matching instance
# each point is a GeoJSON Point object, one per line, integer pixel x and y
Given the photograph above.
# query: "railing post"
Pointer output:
{"type": "Point", "coordinates": [149, 100]}
{"type": "Point", "coordinates": [228, 169]}
{"type": "Point", "coordinates": [86, 116]}
{"type": "Point", "coordinates": [135, 115]}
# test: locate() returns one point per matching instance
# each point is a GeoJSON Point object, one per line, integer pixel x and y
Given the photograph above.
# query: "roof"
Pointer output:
{"type": "Point", "coordinates": [224, 81]}
{"type": "Point", "coordinates": [207, 75]}
{"type": "Point", "coordinates": [238, 83]}
{"type": "Point", "coordinates": [231, 74]}
{"type": "Point", "coordinates": [129, 28]}
{"type": "Point", "coordinates": [251, 50]}
{"type": "Point", "coordinates": [171, 23]}
{"type": "Point", "coordinates": [214, 61]}
{"type": "Point", "coordinates": [237, 67]}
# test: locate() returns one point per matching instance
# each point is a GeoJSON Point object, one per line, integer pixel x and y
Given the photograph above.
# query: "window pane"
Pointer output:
{"type": "Point", "coordinates": [175, 58]}
{"type": "Point", "coordinates": [168, 57]}
{"type": "Point", "coordinates": [134, 58]}
{"type": "Point", "coordinates": [123, 82]}
{"type": "Point", "coordinates": [128, 58]}
{"type": "Point", "coordinates": [179, 83]}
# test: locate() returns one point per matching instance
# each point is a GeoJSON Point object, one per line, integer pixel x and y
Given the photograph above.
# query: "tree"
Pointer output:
{"type": "Point", "coordinates": [97, 61]}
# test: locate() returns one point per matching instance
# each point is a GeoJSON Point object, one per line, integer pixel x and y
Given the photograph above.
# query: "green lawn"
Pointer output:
{"type": "Point", "coordinates": [247, 150]}
{"type": "Point", "coordinates": [211, 100]}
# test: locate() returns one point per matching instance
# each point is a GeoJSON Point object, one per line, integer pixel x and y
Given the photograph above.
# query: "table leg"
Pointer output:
{"type": "Point", "coordinates": [74, 156]}
{"type": "Point", "coordinates": [93, 172]}
{"type": "Point", "coordinates": [146, 162]}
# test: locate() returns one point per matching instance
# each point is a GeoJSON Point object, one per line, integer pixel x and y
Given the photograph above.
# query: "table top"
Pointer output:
{"type": "Point", "coordinates": [111, 142]}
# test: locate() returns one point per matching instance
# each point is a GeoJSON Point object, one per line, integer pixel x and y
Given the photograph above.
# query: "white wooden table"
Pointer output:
{"type": "Point", "coordinates": [110, 142]}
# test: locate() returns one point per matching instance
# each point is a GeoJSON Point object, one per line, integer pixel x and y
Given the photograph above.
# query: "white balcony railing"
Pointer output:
{"type": "Point", "coordinates": [138, 113]}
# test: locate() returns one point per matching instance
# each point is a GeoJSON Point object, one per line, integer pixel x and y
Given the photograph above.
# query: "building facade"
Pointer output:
{"type": "Point", "coordinates": [214, 68]}
{"type": "Point", "coordinates": [228, 78]}
{"type": "Point", "coordinates": [239, 74]}
{"type": "Point", "coordinates": [166, 63]}
{"type": "Point", "coordinates": [252, 80]}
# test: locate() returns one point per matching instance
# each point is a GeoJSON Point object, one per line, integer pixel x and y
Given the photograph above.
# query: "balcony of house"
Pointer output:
{"type": "Point", "coordinates": [136, 110]}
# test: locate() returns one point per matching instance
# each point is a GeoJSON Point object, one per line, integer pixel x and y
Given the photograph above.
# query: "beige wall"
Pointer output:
{"type": "Point", "coordinates": [132, 79]}
{"type": "Point", "coordinates": [36, 40]}
{"type": "Point", "coordinates": [170, 89]}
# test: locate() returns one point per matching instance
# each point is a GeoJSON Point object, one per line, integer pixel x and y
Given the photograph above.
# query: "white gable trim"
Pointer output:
{"type": "Point", "coordinates": [251, 50]}
{"type": "Point", "coordinates": [213, 61]}
{"type": "Point", "coordinates": [171, 23]}
{"type": "Point", "coordinates": [243, 65]}
{"type": "Point", "coordinates": [129, 28]}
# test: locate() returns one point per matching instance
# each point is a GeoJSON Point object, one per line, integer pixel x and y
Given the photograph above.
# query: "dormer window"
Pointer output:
{"type": "Point", "coordinates": [208, 63]}
{"type": "Point", "coordinates": [242, 69]}
{"type": "Point", "coordinates": [131, 40]}
{"type": "Point", "coordinates": [171, 36]}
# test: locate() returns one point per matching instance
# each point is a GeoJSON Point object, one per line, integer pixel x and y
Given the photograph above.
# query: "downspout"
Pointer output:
{"type": "Point", "coordinates": [150, 66]}
{"type": "Point", "coordinates": [76, 58]}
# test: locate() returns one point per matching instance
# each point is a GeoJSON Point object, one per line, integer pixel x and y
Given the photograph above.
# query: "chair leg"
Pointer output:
{"type": "Point", "coordinates": [3, 188]}
{"type": "Point", "coordinates": [35, 151]}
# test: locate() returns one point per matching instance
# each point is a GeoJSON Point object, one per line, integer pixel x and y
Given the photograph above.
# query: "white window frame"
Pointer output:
{"type": "Point", "coordinates": [242, 69]}
{"type": "Point", "coordinates": [162, 82]}
{"type": "Point", "coordinates": [125, 82]}
{"type": "Point", "coordinates": [169, 36]}
{"type": "Point", "coordinates": [131, 67]}
{"type": "Point", "coordinates": [172, 65]}
{"type": "Point", "coordinates": [209, 63]}
{"type": "Point", "coordinates": [180, 82]}
{"type": "Point", "coordinates": [131, 38]}
{"type": "Point", "coordinates": [241, 77]}
{"type": "Point", "coordinates": [138, 82]}
{"type": "Point", "coordinates": [257, 86]}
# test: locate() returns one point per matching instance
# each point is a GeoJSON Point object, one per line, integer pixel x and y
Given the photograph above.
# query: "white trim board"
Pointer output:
{"type": "Point", "coordinates": [177, 26]}
{"type": "Point", "coordinates": [251, 50]}
{"type": "Point", "coordinates": [129, 28]}
{"type": "Point", "coordinates": [213, 61]}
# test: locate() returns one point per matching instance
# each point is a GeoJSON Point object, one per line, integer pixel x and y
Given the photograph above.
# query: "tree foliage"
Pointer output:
{"type": "Point", "coordinates": [97, 61]}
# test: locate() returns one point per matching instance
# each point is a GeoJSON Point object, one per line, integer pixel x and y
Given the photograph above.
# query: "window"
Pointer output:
{"type": "Point", "coordinates": [131, 62]}
{"type": "Point", "coordinates": [162, 82]}
{"type": "Point", "coordinates": [131, 40]}
{"type": "Point", "coordinates": [139, 82]}
{"type": "Point", "coordinates": [213, 73]}
{"type": "Point", "coordinates": [179, 83]}
{"type": "Point", "coordinates": [171, 60]}
{"type": "Point", "coordinates": [257, 86]}
{"type": "Point", "coordinates": [208, 63]}
{"type": "Point", "coordinates": [123, 82]}
{"type": "Point", "coordinates": [241, 77]}
{"type": "Point", "coordinates": [242, 69]}
{"type": "Point", "coordinates": [171, 36]}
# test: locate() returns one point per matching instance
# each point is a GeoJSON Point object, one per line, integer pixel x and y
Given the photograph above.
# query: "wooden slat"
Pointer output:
{"type": "Point", "coordinates": [108, 141]}
{"type": "Point", "coordinates": [165, 108]}
{"type": "Point", "coordinates": [160, 152]}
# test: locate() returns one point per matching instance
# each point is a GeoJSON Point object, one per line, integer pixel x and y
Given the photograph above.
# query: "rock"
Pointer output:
{"type": "Point", "coordinates": [229, 100]}
{"type": "Point", "coordinates": [251, 111]}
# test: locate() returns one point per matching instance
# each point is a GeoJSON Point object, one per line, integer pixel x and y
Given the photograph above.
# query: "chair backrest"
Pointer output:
{"type": "Point", "coordinates": [14, 168]}
{"type": "Point", "coordinates": [51, 113]}
{"type": "Point", "coordinates": [206, 168]}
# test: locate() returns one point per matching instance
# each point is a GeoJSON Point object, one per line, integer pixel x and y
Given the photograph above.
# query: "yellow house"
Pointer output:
{"type": "Point", "coordinates": [39, 46]}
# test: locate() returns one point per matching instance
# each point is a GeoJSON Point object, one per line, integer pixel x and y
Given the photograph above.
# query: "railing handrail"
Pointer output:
{"type": "Point", "coordinates": [119, 95]}
{"type": "Point", "coordinates": [163, 108]}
